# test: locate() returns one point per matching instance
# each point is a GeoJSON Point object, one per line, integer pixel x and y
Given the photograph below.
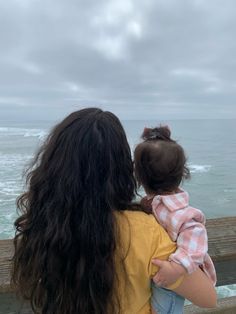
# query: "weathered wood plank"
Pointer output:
{"type": "Point", "coordinates": [222, 248]}
{"type": "Point", "coordinates": [222, 238]}
{"type": "Point", "coordinates": [6, 252]}
{"type": "Point", "coordinates": [10, 305]}
{"type": "Point", "coordinates": [226, 272]}
{"type": "Point", "coordinates": [225, 306]}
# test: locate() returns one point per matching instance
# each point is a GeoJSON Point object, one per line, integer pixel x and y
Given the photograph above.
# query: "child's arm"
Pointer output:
{"type": "Point", "coordinates": [192, 245]}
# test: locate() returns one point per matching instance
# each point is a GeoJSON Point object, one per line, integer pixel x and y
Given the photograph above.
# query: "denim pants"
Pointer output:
{"type": "Point", "coordinates": [165, 301]}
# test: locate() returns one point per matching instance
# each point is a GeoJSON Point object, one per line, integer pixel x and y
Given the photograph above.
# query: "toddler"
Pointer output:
{"type": "Point", "coordinates": [160, 167]}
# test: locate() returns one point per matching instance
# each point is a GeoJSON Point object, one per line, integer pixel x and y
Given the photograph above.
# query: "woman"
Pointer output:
{"type": "Point", "coordinates": [78, 247]}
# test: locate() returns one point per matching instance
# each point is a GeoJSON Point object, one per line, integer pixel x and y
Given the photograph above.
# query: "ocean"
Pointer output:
{"type": "Point", "coordinates": [210, 146]}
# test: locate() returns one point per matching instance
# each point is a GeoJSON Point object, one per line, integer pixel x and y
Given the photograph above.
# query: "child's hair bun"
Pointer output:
{"type": "Point", "coordinates": [162, 133]}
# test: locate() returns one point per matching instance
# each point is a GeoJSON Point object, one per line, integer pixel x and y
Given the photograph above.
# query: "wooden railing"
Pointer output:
{"type": "Point", "coordinates": [222, 249]}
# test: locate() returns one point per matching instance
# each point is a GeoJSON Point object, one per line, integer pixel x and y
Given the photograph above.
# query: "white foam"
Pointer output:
{"type": "Point", "coordinates": [199, 168]}
{"type": "Point", "coordinates": [226, 291]}
{"type": "Point", "coordinates": [9, 200]}
{"type": "Point", "coordinates": [11, 181]}
{"type": "Point", "coordinates": [9, 191]}
{"type": "Point", "coordinates": [35, 133]}
{"type": "Point", "coordinates": [11, 159]}
{"type": "Point", "coordinates": [229, 190]}
{"type": "Point", "coordinates": [7, 131]}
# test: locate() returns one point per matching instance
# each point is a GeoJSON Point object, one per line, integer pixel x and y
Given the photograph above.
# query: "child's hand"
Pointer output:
{"type": "Point", "coordinates": [146, 205]}
{"type": "Point", "coordinates": [168, 272]}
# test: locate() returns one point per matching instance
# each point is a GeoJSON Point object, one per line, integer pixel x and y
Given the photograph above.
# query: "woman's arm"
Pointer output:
{"type": "Point", "coordinates": [197, 288]}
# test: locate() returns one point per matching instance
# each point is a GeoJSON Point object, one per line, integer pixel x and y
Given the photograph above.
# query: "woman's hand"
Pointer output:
{"type": "Point", "coordinates": [196, 287]}
{"type": "Point", "coordinates": [168, 272]}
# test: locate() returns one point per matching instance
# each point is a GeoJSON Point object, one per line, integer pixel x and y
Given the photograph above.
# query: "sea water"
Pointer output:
{"type": "Point", "coordinates": [210, 146]}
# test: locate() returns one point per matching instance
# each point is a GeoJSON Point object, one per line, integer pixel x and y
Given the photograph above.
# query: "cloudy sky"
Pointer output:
{"type": "Point", "coordinates": [137, 58]}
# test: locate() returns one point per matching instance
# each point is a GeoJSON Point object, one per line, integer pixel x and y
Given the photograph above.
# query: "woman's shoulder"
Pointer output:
{"type": "Point", "coordinates": [138, 218]}
{"type": "Point", "coordinates": [143, 226]}
{"type": "Point", "coordinates": [140, 232]}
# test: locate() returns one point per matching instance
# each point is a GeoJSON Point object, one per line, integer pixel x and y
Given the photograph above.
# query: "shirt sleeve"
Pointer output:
{"type": "Point", "coordinates": [192, 245]}
{"type": "Point", "coordinates": [162, 248]}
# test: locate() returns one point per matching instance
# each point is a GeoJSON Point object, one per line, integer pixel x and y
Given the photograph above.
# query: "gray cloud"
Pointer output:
{"type": "Point", "coordinates": [136, 58]}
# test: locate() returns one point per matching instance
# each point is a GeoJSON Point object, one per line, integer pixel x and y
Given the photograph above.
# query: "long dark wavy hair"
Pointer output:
{"type": "Point", "coordinates": [66, 235]}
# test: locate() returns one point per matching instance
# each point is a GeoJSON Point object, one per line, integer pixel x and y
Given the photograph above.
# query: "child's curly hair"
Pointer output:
{"type": "Point", "coordinates": [160, 162]}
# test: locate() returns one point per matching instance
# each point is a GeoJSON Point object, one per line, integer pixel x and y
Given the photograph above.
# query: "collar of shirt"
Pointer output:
{"type": "Point", "coordinates": [173, 201]}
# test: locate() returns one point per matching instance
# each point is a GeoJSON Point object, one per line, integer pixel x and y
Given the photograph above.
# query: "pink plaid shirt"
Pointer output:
{"type": "Point", "coordinates": [186, 226]}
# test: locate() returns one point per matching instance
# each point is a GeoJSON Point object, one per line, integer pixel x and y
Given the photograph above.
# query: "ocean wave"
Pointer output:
{"type": "Point", "coordinates": [226, 291]}
{"type": "Point", "coordinates": [34, 133]}
{"type": "Point", "coordinates": [8, 131]}
{"type": "Point", "coordinates": [11, 176]}
{"type": "Point", "coordinates": [229, 190]}
{"type": "Point", "coordinates": [9, 192]}
{"type": "Point", "coordinates": [11, 159]}
{"type": "Point", "coordinates": [11, 168]}
{"type": "Point", "coordinates": [9, 200]}
{"type": "Point", "coordinates": [199, 168]}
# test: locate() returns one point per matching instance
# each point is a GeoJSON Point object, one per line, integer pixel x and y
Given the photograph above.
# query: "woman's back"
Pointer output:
{"type": "Point", "coordinates": [65, 239]}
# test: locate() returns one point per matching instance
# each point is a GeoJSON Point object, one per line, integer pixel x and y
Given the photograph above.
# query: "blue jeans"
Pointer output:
{"type": "Point", "coordinates": [165, 301]}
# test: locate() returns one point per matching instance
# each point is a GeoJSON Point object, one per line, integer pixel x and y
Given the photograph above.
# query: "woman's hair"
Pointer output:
{"type": "Point", "coordinates": [66, 235]}
{"type": "Point", "coordinates": [160, 162]}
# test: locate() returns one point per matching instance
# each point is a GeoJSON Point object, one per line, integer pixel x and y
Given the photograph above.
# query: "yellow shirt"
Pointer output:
{"type": "Point", "coordinates": [141, 238]}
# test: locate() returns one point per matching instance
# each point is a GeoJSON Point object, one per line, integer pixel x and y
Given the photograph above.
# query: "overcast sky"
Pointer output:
{"type": "Point", "coordinates": [137, 58]}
